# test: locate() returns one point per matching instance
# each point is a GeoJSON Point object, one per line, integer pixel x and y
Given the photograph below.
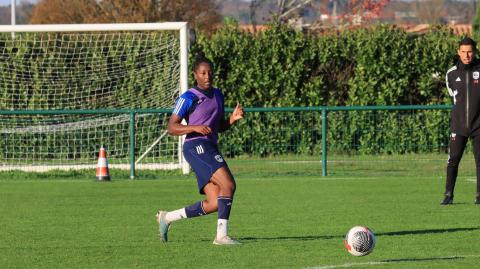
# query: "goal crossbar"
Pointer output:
{"type": "Point", "coordinates": [92, 27]}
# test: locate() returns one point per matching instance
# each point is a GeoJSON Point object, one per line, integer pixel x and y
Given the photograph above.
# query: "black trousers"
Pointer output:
{"type": "Point", "coordinates": [456, 147]}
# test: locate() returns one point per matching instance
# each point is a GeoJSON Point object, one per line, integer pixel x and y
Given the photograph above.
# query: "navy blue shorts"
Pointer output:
{"type": "Point", "coordinates": [204, 158]}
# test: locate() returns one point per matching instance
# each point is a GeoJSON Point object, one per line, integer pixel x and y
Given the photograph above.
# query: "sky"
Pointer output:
{"type": "Point", "coordinates": [7, 2]}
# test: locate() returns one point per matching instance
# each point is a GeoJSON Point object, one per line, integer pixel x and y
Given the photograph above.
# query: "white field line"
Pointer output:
{"type": "Point", "coordinates": [471, 179]}
{"type": "Point", "coordinates": [347, 161]}
{"type": "Point", "coordinates": [346, 265]}
{"type": "Point", "coordinates": [45, 168]}
{"type": "Point", "coordinates": [392, 261]}
{"type": "Point", "coordinates": [333, 178]}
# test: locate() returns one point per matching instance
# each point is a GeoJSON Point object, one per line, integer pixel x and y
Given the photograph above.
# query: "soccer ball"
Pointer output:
{"type": "Point", "coordinates": [359, 241]}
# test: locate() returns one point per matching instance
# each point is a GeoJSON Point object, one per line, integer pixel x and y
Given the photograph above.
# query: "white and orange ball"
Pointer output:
{"type": "Point", "coordinates": [360, 241]}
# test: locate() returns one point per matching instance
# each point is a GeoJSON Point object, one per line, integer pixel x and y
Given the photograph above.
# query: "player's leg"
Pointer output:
{"type": "Point", "coordinates": [165, 218]}
{"type": "Point", "coordinates": [197, 209]}
{"type": "Point", "coordinates": [195, 154]}
{"type": "Point", "coordinates": [456, 146]}
{"type": "Point", "coordinates": [210, 203]}
{"type": "Point", "coordinates": [476, 153]}
{"type": "Point", "coordinates": [224, 180]}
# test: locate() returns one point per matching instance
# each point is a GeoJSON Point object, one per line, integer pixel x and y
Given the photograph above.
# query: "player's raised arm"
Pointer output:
{"type": "Point", "coordinates": [237, 115]}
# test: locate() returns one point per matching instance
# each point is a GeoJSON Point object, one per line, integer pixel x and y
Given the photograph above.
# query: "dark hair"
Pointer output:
{"type": "Point", "coordinates": [467, 41]}
{"type": "Point", "coordinates": [201, 59]}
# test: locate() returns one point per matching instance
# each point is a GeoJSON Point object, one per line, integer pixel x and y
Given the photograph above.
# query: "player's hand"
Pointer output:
{"type": "Point", "coordinates": [237, 114]}
{"type": "Point", "coordinates": [202, 129]}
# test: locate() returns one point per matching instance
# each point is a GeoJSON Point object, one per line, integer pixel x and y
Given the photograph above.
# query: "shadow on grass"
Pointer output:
{"type": "Point", "coordinates": [293, 238]}
{"type": "Point", "coordinates": [326, 237]}
{"type": "Point", "coordinates": [423, 259]}
{"type": "Point", "coordinates": [428, 231]}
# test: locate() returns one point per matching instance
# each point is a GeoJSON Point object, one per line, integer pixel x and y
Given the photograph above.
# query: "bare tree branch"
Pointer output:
{"type": "Point", "coordinates": [292, 8]}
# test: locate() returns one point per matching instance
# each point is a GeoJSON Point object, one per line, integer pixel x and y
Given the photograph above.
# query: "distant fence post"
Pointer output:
{"type": "Point", "coordinates": [132, 144]}
{"type": "Point", "coordinates": [324, 141]}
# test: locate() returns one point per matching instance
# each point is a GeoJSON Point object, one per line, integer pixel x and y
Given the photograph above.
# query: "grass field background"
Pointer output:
{"type": "Point", "coordinates": [286, 218]}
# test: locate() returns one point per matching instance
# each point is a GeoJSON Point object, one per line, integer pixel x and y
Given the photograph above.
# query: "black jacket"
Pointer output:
{"type": "Point", "coordinates": [463, 84]}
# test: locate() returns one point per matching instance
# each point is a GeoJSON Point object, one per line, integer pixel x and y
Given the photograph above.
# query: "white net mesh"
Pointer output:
{"type": "Point", "coordinates": [86, 71]}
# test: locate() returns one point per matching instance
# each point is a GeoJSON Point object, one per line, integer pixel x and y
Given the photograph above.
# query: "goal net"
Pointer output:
{"type": "Point", "coordinates": [66, 90]}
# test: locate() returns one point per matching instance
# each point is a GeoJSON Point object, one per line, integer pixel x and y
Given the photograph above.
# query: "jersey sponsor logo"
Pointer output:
{"type": "Point", "coordinates": [219, 158]}
{"type": "Point", "coordinates": [476, 75]}
{"type": "Point", "coordinates": [458, 79]}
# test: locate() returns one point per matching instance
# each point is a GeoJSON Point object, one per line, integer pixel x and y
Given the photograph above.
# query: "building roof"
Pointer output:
{"type": "Point", "coordinates": [458, 29]}
{"type": "Point", "coordinates": [252, 29]}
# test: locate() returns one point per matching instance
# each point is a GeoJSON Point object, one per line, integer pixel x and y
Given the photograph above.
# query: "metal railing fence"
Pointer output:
{"type": "Point", "coordinates": [271, 134]}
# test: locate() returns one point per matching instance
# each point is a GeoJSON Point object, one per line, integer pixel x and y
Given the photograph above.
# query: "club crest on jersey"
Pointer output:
{"type": "Point", "coordinates": [452, 136]}
{"type": "Point", "coordinates": [219, 158]}
{"type": "Point", "coordinates": [476, 75]}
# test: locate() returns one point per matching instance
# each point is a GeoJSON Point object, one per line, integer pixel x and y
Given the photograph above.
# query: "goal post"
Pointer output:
{"type": "Point", "coordinates": [88, 68]}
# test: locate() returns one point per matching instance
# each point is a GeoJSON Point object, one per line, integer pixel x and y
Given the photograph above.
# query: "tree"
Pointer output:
{"type": "Point", "coordinates": [200, 14]}
{"type": "Point", "coordinates": [364, 10]}
{"type": "Point", "coordinates": [120, 11]}
{"type": "Point", "coordinates": [281, 11]}
{"type": "Point", "coordinates": [59, 11]}
{"type": "Point", "coordinates": [429, 11]}
{"type": "Point", "coordinates": [344, 13]}
{"type": "Point", "coordinates": [287, 7]}
{"type": "Point", "coordinates": [254, 5]}
{"type": "Point", "coordinates": [476, 24]}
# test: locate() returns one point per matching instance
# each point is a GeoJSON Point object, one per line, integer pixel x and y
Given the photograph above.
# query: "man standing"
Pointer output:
{"type": "Point", "coordinates": [463, 84]}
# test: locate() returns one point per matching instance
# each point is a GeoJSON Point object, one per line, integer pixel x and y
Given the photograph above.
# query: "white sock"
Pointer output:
{"type": "Point", "coordinates": [176, 215]}
{"type": "Point", "coordinates": [222, 227]}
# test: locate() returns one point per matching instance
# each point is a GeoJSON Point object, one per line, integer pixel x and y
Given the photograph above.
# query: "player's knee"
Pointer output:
{"type": "Point", "coordinates": [233, 187]}
{"type": "Point", "coordinates": [228, 186]}
{"type": "Point", "coordinates": [454, 160]}
{"type": "Point", "coordinates": [210, 206]}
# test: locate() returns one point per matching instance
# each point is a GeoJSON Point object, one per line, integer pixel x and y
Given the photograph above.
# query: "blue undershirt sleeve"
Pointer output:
{"type": "Point", "coordinates": [183, 105]}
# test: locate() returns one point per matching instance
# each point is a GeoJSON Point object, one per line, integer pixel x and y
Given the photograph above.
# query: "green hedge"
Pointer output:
{"type": "Point", "coordinates": [382, 65]}
{"type": "Point", "coordinates": [280, 67]}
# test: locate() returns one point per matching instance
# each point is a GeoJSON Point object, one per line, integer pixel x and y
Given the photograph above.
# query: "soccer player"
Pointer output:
{"type": "Point", "coordinates": [202, 107]}
{"type": "Point", "coordinates": [463, 84]}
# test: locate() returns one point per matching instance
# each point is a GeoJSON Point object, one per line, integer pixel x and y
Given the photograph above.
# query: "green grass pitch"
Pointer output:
{"type": "Point", "coordinates": [68, 220]}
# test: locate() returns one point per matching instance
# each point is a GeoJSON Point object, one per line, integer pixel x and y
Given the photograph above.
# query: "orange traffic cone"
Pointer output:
{"type": "Point", "coordinates": [102, 166]}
